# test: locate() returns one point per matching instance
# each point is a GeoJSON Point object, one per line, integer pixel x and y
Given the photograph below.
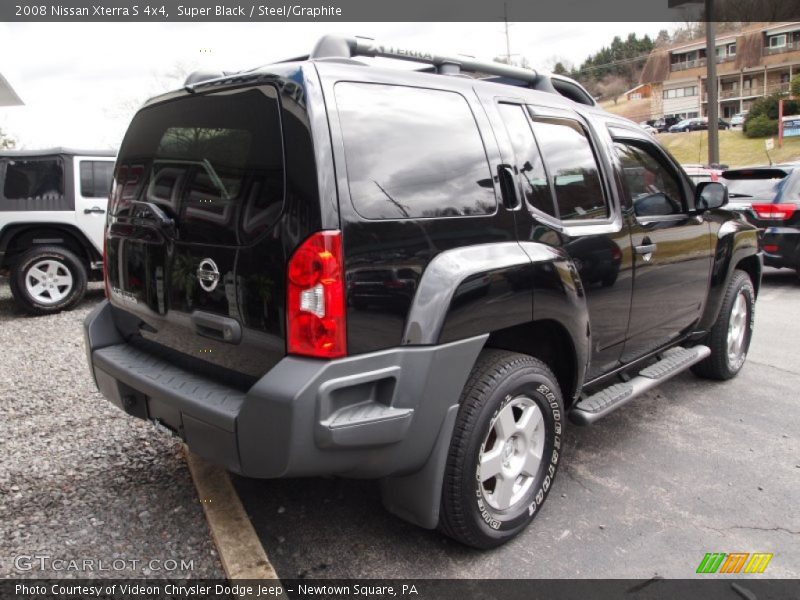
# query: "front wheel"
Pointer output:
{"type": "Point", "coordinates": [730, 336]}
{"type": "Point", "coordinates": [505, 449]}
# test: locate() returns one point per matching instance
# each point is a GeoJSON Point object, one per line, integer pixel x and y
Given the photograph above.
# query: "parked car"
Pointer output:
{"type": "Point", "coordinates": [52, 214]}
{"type": "Point", "coordinates": [509, 218]}
{"type": "Point", "coordinates": [650, 129]}
{"type": "Point", "coordinates": [662, 125]}
{"type": "Point", "coordinates": [739, 118]}
{"type": "Point", "coordinates": [695, 124]}
{"type": "Point", "coordinates": [769, 198]}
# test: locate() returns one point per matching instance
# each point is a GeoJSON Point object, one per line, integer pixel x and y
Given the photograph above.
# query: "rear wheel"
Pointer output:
{"type": "Point", "coordinates": [730, 336]}
{"type": "Point", "coordinates": [505, 449]}
{"type": "Point", "coordinates": [48, 279]}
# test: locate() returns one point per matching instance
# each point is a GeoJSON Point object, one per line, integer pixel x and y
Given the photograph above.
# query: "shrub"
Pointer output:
{"type": "Point", "coordinates": [768, 106]}
{"type": "Point", "coordinates": [760, 126]}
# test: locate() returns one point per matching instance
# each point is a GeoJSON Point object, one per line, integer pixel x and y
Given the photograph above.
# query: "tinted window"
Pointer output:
{"type": "Point", "coordinates": [214, 163]}
{"type": "Point", "coordinates": [653, 187]}
{"type": "Point", "coordinates": [572, 167]}
{"type": "Point", "coordinates": [29, 179]}
{"type": "Point", "coordinates": [96, 178]}
{"type": "Point", "coordinates": [412, 153]}
{"type": "Point", "coordinates": [529, 161]}
{"type": "Point", "coordinates": [763, 184]}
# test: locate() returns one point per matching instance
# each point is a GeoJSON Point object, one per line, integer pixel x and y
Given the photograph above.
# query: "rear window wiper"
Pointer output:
{"type": "Point", "coordinates": [163, 219]}
{"type": "Point", "coordinates": [735, 195]}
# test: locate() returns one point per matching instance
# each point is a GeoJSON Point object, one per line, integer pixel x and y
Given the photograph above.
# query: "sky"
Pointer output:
{"type": "Point", "coordinates": [82, 82]}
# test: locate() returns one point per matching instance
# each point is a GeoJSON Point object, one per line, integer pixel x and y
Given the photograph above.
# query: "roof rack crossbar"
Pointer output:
{"type": "Point", "coordinates": [333, 46]}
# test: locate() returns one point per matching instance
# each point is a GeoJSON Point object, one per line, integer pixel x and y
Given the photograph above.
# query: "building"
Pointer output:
{"type": "Point", "coordinates": [8, 97]}
{"type": "Point", "coordinates": [643, 90]}
{"type": "Point", "coordinates": [755, 61]}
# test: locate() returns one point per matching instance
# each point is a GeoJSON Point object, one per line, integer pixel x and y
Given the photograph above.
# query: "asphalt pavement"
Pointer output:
{"type": "Point", "coordinates": [692, 467]}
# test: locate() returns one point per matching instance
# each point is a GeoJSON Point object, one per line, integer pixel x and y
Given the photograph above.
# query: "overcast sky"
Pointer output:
{"type": "Point", "coordinates": [81, 82]}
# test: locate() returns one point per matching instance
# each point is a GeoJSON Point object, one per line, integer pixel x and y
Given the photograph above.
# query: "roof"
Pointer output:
{"type": "Point", "coordinates": [8, 97]}
{"type": "Point", "coordinates": [53, 151]}
{"type": "Point", "coordinates": [633, 89]}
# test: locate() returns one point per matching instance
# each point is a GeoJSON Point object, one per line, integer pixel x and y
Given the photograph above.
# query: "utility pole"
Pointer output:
{"type": "Point", "coordinates": [711, 84]}
{"type": "Point", "coordinates": [508, 37]}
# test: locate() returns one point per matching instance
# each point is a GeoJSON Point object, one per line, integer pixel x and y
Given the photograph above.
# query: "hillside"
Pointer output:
{"type": "Point", "coordinates": [735, 149]}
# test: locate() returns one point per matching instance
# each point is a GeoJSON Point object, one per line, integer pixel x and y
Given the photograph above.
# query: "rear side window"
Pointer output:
{"type": "Point", "coordinates": [214, 163]}
{"type": "Point", "coordinates": [529, 167]}
{"type": "Point", "coordinates": [31, 179]}
{"type": "Point", "coordinates": [412, 153]}
{"type": "Point", "coordinates": [572, 167]}
{"type": "Point", "coordinates": [96, 178]}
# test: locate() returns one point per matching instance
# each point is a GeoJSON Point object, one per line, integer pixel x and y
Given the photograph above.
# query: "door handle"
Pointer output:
{"type": "Point", "coordinates": [645, 251]}
{"type": "Point", "coordinates": [217, 327]}
{"type": "Point", "coordinates": [508, 187]}
{"type": "Point", "coordinates": [94, 209]}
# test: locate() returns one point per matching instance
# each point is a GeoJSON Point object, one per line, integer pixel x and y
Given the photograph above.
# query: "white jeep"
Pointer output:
{"type": "Point", "coordinates": [52, 214]}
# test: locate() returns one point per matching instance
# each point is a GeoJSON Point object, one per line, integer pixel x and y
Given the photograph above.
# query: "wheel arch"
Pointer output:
{"type": "Point", "coordinates": [19, 237]}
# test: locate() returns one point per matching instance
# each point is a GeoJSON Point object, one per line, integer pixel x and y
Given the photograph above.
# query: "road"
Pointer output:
{"type": "Point", "coordinates": [692, 467]}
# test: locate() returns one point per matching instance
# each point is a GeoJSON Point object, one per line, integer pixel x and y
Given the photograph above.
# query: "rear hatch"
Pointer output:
{"type": "Point", "coordinates": [193, 246]}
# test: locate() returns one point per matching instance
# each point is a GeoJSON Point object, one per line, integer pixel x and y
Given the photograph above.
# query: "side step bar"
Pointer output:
{"type": "Point", "coordinates": [673, 361]}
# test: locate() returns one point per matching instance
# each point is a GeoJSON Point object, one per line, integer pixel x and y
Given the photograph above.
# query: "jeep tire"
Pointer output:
{"type": "Point", "coordinates": [47, 279]}
{"type": "Point", "coordinates": [729, 338]}
{"type": "Point", "coordinates": [505, 449]}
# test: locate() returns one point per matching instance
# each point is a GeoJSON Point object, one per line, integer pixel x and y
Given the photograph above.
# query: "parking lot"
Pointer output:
{"type": "Point", "coordinates": [693, 467]}
{"type": "Point", "coordinates": [79, 479]}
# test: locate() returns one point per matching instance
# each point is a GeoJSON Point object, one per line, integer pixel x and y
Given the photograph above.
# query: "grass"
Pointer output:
{"type": "Point", "coordinates": [735, 149]}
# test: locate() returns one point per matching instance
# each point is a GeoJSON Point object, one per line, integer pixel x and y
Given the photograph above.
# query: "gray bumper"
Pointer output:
{"type": "Point", "coordinates": [375, 415]}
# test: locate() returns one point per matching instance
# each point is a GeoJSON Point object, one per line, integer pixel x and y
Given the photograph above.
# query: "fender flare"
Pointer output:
{"type": "Point", "coordinates": [736, 241]}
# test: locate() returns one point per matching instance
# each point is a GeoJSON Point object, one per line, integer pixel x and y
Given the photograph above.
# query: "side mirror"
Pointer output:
{"type": "Point", "coordinates": [710, 195]}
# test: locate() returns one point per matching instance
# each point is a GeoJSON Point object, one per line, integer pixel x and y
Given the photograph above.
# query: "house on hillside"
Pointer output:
{"type": "Point", "coordinates": [755, 61]}
{"type": "Point", "coordinates": [643, 90]}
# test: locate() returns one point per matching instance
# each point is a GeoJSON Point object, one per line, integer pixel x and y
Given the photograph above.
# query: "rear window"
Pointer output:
{"type": "Point", "coordinates": [96, 178]}
{"type": "Point", "coordinates": [763, 184]}
{"type": "Point", "coordinates": [413, 152]}
{"type": "Point", "coordinates": [31, 179]}
{"type": "Point", "coordinates": [214, 163]}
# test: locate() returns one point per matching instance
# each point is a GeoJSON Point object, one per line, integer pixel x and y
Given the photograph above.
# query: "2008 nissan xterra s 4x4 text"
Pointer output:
{"type": "Point", "coordinates": [321, 267]}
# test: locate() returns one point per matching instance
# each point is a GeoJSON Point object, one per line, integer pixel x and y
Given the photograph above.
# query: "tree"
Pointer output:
{"type": "Point", "coordinates": [612, 87]}
{"type": "Point", "coordinates": [6, 141]}
{"type": "Point", "coordinates": [623, 58]}
{"type": "Point", "coordinates": [794, 86]}
{"type": "Point", "coordinates": [560, 69]}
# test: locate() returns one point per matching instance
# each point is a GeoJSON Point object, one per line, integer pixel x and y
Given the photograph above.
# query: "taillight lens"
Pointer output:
{"type": "Point", "coordinates": [774, 212]}
{"type": "Point", "coordinates": [315, 307]}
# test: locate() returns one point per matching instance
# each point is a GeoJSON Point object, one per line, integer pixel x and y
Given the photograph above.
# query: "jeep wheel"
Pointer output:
{"type": "Point", "coordinates": [730, 336]}
{"type": "Point", "coordinates": [505, 449]}
{"type": "Point", "coordinates": [48, 279]}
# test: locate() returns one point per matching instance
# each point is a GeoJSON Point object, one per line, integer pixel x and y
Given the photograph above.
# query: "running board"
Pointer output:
{"type": "Point", "coordinates": [598, 405]}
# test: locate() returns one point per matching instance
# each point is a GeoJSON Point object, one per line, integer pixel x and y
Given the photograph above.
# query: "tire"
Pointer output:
{"type": "Point", "coordinates": [722, 364]}
{"type": "Point", "coordinates": [36, 275]}
{"type": "Point", "coordinates": [501, 384]}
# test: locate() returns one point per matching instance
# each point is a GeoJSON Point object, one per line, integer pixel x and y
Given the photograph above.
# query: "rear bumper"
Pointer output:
{"type": "Point", "coordinates": [781, 246]}
{"type": "Point", "coordinates": [372, 415]}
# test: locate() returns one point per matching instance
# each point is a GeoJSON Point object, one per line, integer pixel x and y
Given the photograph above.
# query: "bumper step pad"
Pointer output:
{"type": "Point", "coordinates": [673, 361]}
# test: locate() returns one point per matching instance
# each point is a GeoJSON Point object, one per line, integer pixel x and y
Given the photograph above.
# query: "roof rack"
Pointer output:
{"type": "Point", "coordinates": [333, 46]}
{"type": "Point", "coordinates": [340, 47]}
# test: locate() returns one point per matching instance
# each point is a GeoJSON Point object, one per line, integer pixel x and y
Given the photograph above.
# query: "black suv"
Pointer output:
{"type": "Point", "coordinates": [321, 267]}
{"type": "Point", "coordinates": [769, 198]}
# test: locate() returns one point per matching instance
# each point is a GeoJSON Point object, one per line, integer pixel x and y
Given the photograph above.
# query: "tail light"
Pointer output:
{"type": "Point", "coordinates": [315, 308]}
{"type": "Point", "coordinates": [774, 212]}
{"type": "Point", "coordinates": [771, 248]}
